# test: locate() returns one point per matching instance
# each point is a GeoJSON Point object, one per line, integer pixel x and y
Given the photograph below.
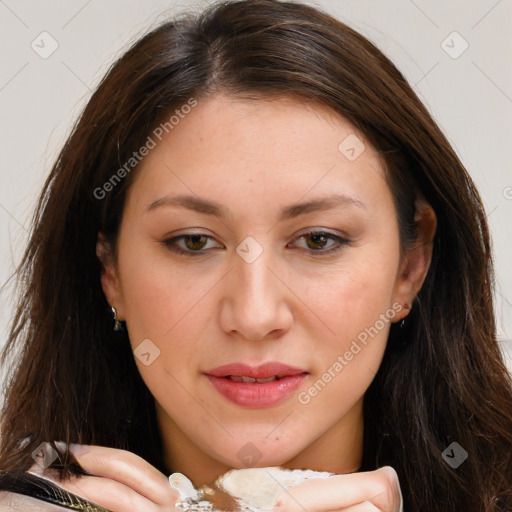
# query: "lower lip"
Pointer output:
{"type": "Point", "coordinates": [254, 394]}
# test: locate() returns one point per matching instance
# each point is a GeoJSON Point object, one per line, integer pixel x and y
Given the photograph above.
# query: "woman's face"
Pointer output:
{"type": "Point", "coordinates": [288, 253]}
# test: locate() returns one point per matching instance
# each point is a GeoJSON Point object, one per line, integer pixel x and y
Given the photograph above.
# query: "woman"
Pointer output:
{"type": "Point", "coordinates": [257, 193]}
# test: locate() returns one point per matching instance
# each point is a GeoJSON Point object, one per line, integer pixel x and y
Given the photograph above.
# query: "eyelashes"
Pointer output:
{"type": "Point", "coordinates": [200, 241]}
{"type": "Point", "coordinates": [171, 243]}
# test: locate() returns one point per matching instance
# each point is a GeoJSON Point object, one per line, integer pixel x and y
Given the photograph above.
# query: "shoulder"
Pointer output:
{"type": "Point", "coordinates": [12, 502]}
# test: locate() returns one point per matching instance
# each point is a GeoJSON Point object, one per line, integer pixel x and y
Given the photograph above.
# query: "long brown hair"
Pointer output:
{"type": "Point", "coordinates": [442, 379]}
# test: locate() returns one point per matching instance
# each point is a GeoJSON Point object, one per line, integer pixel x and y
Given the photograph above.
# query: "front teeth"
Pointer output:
{"type": "Point", "coordinates": [237, 378]}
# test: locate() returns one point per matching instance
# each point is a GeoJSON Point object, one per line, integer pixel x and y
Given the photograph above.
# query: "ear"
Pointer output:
{"type": "Point", "coordinates": [418, 256]}
{"type": "Point", "coordinates": [110, 283]}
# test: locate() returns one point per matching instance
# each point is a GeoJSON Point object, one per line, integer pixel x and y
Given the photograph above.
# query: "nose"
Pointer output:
{"type": "Point", "coordinates": [255, 303]}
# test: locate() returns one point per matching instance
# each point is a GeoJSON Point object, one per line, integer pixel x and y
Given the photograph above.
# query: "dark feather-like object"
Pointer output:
{"type": "Point", "coordinates": [45, 490]}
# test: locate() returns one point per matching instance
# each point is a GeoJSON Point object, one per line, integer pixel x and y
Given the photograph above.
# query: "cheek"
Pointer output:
{"type": "Point", "coordinates": [163, 303]}
{"type": "Point", "coordinates": [351, 297]}
{"type": "Point", "coordinates": [356, 304]}
{"type": "Point", "coordinates": [168, 308]}
{"type": "Point", "coordinates": [347, 362]}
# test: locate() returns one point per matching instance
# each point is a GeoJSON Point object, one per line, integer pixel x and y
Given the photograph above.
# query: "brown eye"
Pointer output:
{"type": "Point", "coordinates": [191, 244]}
{"type": "Point", "coordinates": [316, 240]}
{"type": "Point", "coordinates": [322, 242]}
{"type": "Point", "coordinates": [195, 242]}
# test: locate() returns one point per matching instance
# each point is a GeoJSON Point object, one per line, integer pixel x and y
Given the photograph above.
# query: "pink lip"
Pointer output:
{"type": "Point", "coordinates": [256, 372]}
{"type": "Point", "coordinates": [255, 394]}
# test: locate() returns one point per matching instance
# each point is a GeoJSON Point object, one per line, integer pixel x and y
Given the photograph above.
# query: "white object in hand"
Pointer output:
{"type": "Point", "coordinates": [254, 489]}
{"type": "Point", "coordinates": [259, 487]}
{"type": "Point", "coordinates": [184, 486]}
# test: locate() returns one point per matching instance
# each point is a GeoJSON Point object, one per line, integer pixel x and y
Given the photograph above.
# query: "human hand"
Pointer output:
{"type": "Point", "coordinates": [371, 491]}
{"type": "Point", "coordinates": [121, 480]}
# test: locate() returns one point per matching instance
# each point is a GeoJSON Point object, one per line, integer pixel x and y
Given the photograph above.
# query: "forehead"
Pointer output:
{"type": "Point", "coordinates": [282, 127]}
{"type": "Point", "coordinates": [259, 150]}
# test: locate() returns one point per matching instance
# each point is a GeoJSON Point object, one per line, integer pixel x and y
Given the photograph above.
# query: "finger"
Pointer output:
{"type": "Point", "coordinates": [35, 469]}
{"type": "Point", "coordinates": [128, 469]}
{"type": "Point", "coordinates": [362, 507]}
{"type": "Point", "coordinates": [380, 487]}
{"type": "Point", "coordinates": [107, 493]}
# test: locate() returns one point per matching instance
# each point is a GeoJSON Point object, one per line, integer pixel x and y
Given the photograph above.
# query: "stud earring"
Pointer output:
{"type": "Point", "coordinates": [117, 323]}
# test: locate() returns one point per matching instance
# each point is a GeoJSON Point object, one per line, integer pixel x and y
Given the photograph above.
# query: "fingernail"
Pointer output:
{"type": "Point", "coordinates": [77, 449]}
{"type": "Point", "coordinates": [61, 445]}
{"type": "Point", "coordinates": [35, 469]}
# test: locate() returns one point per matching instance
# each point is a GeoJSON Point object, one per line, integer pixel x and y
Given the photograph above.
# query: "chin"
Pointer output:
{"type": "Point", "coordinates": [252, 451]}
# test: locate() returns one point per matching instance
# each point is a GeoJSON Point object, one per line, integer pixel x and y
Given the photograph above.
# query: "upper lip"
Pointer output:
{"type": "Point", "coordinates": [270, 369]}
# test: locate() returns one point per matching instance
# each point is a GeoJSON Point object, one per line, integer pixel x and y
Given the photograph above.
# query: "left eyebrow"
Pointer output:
{"type": "Point", "coordinates": [209, 207]}
{"type": "Point", "coordinates": [320, 204]}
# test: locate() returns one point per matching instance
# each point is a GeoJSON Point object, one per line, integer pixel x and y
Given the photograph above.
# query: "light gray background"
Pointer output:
{"type": "Point", "coordinates": [470, 96]}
